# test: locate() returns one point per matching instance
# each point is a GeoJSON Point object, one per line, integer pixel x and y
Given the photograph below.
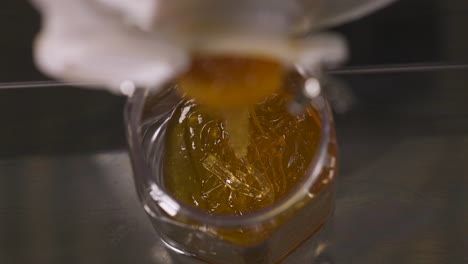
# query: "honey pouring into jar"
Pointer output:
{"type": "Point", "coordinates": [232, 146]}
{"type": "Point", "coordinates": [244, 135]}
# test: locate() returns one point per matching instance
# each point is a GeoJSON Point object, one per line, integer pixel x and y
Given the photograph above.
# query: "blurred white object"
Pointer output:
{"type": "Point", "coordinates": [148, 42]}
{"type": "Point", "coordinates": [81, 41]}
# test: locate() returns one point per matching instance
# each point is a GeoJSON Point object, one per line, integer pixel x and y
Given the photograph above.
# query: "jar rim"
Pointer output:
{"type": "Point", "coordinates": [160, 199]}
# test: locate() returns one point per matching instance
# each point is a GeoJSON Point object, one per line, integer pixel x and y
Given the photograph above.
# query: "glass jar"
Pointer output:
{"type": "Point", "coordinates": [281, 232]}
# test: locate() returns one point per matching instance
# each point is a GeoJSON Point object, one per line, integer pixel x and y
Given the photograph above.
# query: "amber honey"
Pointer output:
{"type": "Point", "coordinates": [202, 169]}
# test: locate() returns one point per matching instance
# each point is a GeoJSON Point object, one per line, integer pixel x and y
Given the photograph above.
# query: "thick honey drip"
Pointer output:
{"type": "Point", "coordinates": [202, 169]}
{"type": "Point", "coordinates": [230, 85]}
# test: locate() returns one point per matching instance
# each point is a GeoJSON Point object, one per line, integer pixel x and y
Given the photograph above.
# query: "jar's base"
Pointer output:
{"type": "Point", "coordinates": [313, 250]}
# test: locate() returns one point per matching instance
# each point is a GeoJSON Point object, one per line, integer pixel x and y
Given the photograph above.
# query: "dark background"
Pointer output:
{"type": "Point", "coordinates": [66, 193]}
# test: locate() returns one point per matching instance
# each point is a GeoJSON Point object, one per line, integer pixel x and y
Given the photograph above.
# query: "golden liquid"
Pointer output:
{"type": "Point", "coordinates": [203, 170]}
{"type": "Point", "coordinates": [231, 85]}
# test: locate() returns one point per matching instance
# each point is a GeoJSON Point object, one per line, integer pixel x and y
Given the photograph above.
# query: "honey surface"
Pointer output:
{"type": "Point", "coordinates": [202, 169]}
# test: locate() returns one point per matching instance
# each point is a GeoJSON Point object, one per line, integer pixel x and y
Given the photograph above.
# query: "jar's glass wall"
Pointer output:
{"type": "Point", "coordinates": [274, 233]}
